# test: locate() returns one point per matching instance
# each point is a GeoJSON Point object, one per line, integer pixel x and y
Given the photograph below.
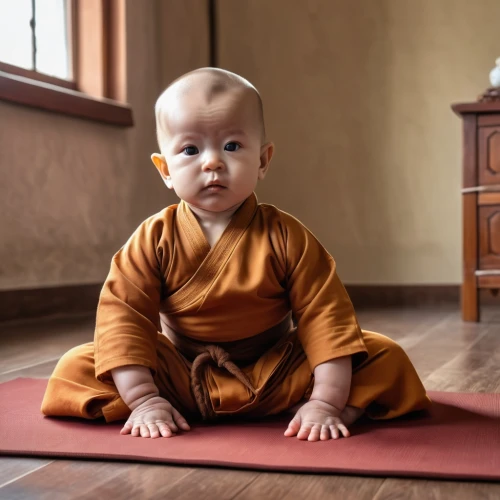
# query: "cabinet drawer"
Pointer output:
{"type": "Point", "coordinates": [489, 236]}
{"type": "Point", "coordinates": [489, 155]}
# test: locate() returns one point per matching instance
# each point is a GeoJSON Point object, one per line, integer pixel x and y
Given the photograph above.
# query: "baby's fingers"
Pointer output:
{"type": "Point", "coordinates": [180, 420]}
{"type": "Point", "coordinates": [338, 429]}
{"type": "Point", "coordinates": [127, 428]}
{"type": "Point", "coordinates": [135, 429]}
{"type": "Point", "coordinates": [144, 430]}
{"type": "Point", "coordinates": [293, 428]}
{"type": "Point", "coordinates": [344, 430]}
{"type": "Point", "coordinates": [314, 433]}
{"type": "Point", "coordinates": [334, 432]}
{"type": "Point", "coordinates": [165, 430]}
{"type": "Point", "coordinates": [154, 431]}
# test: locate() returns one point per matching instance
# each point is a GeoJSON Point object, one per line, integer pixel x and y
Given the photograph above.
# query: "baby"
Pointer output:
{"type": "Point", "coordinates": [220, 306]}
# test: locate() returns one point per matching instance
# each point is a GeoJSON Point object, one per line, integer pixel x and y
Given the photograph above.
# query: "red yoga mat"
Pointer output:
{"type": "Point", "coordinates": [459, 438]}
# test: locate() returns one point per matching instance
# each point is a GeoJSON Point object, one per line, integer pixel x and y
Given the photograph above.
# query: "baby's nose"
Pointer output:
{"type": "Point", "coordinates": [212, 161]}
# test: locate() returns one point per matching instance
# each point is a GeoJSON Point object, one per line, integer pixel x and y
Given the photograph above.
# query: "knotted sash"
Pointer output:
{"type": "Point", "coordinates": [224, 355]}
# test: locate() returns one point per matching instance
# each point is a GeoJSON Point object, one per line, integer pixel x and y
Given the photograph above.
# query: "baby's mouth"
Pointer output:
{"type": "Point", "coordinates": [213, 188]}
{"type": "Point", "coordinates": [215, 185]}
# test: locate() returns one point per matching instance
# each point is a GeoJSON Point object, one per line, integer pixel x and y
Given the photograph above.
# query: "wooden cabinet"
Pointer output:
{"type": "Point", "coordinates": [481, 202]}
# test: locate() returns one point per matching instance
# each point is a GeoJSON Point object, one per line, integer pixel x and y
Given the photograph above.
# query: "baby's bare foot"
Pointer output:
{"type": "Point", "coordinates": [350, 414]}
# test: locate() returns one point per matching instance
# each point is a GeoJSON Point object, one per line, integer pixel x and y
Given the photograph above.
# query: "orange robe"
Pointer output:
{"type": "Point", "coordinates": [166, 279]}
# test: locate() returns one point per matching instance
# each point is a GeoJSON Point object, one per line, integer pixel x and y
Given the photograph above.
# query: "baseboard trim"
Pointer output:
{"type": "Point", "coordinates": [79, 299]}
{"type": "Point", "coordinates": [364, 296]}
{"type": "Point", "coordinates": [45, 302]}
{"type": "Point", "coordinates": [370, 296]}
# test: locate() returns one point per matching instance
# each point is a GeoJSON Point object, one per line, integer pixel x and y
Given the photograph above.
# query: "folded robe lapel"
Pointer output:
{"type": "Point", "coordinates": [214, 258]}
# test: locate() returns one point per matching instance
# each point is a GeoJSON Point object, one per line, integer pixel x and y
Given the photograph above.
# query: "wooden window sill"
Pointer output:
{"type": "Point", "coordinates": [48, 97]}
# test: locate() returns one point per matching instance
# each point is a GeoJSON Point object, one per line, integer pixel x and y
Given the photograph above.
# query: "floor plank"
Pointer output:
{"type": "Point", "coordinates": [215, 484]}
{"type": "Point", "coordinates": [411, 489]}
{"type": "Point", "coordinates": [40, 370]}
{"type": "Point", "coordinates": [20, 343]}
{"type": "Point", "coordinates": [469, 371]}
{"type": "Point", "coordinates": [14, 468]}
{"type": "Point", "coordinates": [81, 479]}
{"type": "Point", "coordinates": [313, 487]}
{"type": "Point", "coordinates": [439, 345]}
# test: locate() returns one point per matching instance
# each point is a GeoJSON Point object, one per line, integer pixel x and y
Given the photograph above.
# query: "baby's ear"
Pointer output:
{"type": "Point", "coordinates": [161, 165]}
{"type": "Point", "coordinates": [266, 153]}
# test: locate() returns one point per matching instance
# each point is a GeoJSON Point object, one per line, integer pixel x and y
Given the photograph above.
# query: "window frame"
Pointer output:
{"type": "Point", "coordinates": [98, 90]}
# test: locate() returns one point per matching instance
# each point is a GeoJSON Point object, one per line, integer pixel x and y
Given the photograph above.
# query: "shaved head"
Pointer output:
{"type": "Point", "coordinates": [210, 130]}
{"type": "Point", "coordinates": [206, 85]}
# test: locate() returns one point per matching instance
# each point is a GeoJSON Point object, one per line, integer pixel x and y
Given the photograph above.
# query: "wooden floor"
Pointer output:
{"type": "Point", "coordinates": [448, 354]}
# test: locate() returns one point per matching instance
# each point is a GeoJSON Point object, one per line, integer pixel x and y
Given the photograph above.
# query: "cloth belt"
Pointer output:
{"type": "Point", "coordinates": [224, 355]}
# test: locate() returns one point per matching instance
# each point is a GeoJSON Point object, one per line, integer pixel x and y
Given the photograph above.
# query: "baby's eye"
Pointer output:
{"type": "Point", "coordinates": [232, 146]}
{"type": "Point", "coordinates": [190, 150]}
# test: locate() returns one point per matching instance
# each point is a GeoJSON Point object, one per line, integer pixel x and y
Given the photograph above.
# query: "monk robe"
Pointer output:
{"type": "Point", "coordinates": [236, 329]}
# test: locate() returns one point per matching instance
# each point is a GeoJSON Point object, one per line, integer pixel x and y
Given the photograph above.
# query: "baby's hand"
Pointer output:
{"type": "Point", "coordinates": [317, 420]}
{"type": "Point", "coordinates": [153, 418]}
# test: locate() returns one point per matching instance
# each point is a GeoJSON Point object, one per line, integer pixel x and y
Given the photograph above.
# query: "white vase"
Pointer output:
{"type": "Point", "coordinates": [495, 75]}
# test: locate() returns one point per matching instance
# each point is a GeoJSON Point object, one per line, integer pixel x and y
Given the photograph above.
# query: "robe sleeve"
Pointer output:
{"type": "Point", "coordinates": [127, 320]}
{"type": "Point", "coordinates": [326, 322]}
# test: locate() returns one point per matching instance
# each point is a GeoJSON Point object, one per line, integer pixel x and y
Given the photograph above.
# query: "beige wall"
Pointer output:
{"type": "Point", "coordinates": [71, 190]}
{"type": "Point", "coordinates": [357, 96]}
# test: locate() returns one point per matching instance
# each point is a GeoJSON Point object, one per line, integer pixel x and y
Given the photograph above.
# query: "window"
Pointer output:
{"type": "Point", "coordinates": [35, 35]}
{"type": "Point", "coordinates": [65, 56]}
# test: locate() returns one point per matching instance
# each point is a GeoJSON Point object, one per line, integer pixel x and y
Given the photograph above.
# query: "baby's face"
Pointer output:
{"type": "Point", "coordinates": [212, 148]}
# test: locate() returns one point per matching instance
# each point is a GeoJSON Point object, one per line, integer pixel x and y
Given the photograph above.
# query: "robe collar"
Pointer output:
{"type": "Point", "coordinates": [212, 260]}
{"type": "Point", "coordinates": [192, 229]}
